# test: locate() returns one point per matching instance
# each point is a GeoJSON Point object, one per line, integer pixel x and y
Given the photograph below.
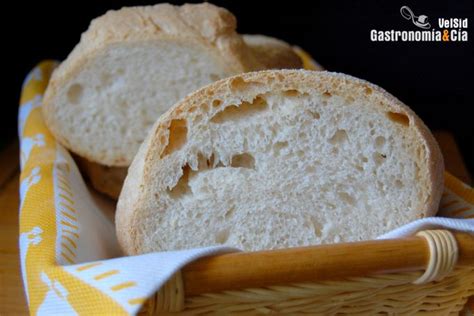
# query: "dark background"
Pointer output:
{"type": "Point", "coordinates": [435, 79]}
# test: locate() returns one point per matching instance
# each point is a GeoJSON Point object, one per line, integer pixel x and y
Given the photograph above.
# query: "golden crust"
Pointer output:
{"type": "Point", "coordinates": [272, 52]}
{"type": "Point", "coordinates": [205, 22]}
{"type": "Point", "coordinates": [107, 180]}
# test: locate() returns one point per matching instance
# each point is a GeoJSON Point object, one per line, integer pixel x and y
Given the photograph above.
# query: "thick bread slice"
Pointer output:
{"type": "Point", "coordinates": [272, 52]}
{"type": "Point", "coordinates": [276, 159]}
{"type": "Point", "coordinates": [130, 66]}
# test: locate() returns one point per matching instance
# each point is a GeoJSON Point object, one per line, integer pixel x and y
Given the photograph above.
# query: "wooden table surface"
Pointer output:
{"type": "Point", "coordinates": [12, 298]}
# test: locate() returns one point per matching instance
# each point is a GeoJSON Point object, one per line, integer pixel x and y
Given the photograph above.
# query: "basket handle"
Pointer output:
{"type": "Point", "coordinates": [435, 251]}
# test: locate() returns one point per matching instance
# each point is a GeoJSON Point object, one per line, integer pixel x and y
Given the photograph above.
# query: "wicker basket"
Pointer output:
{"type": "Point", "coordinates": [431, 273]}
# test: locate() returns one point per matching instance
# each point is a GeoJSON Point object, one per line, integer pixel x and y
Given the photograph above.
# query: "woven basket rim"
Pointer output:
{"type": "Point", "coordinates": [234, 271]}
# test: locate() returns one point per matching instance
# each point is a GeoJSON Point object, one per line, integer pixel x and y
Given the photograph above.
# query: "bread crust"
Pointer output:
{"type": "Point", "coordinates": [272, 52]}
{"type": "Point", "coordinates": [201, 24]}
{"type": "Point", "coordinates": [107, 180]}
{"type": "Point", "coordinates": [136, 190]}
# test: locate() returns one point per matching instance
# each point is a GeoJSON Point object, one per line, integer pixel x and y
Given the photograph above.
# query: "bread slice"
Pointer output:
{"type": "Point", "coordinates": [130, 66]}
{"type": "Point", "coordinates": [106, 180]}
{"type": "Point", "coordinates": [276, 159]}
